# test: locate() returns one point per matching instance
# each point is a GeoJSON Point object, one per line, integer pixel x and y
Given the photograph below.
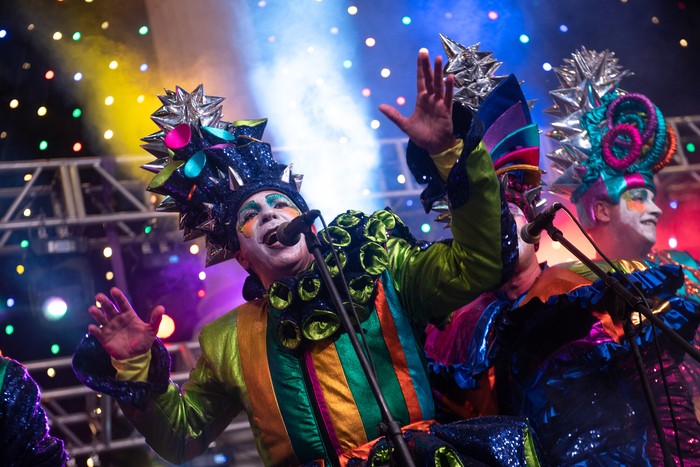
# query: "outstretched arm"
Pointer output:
{"type": "Point", "coordinates": [430, 125]}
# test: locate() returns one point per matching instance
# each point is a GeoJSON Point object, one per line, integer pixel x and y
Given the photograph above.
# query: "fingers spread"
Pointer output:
{"type": "Point", "coordinates": [120, 300]}
{"type": "Point", "coordinates": [449, 90]}
{"type": "Point", "coordinates": [95, 331]}
{"type": "Point", "coordinates": [98, 316]}
{"type": "Point", "coordinates": [420, 79]}
{"type": "Point", "coordinates": [437, 78]}
{"type": "Point", "coordinates": [106, 305]}
{"type": "Point", "coordinates": [393, 115]}
{"type": "Point", "coordinates": [156, 317]}
{"type": "Point", "coordinates": [426, 72]}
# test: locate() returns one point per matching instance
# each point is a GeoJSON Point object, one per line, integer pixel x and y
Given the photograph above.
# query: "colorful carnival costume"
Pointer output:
{"type": "Point", "coordinates": [512, 139]}
{"type": "Point", "coordinates": [558, 354]}
{"type": "Point", "coordinates": [282, 357]}
{"type": "Point", "coordinates": [24, 430]}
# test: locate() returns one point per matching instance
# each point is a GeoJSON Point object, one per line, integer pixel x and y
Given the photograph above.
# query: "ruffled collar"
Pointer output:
{"type": "Point", "coordinates": [301, 307]}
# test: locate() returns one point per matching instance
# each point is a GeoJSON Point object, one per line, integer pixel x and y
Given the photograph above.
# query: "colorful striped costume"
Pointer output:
{"type": "Point", "coordinates": [312, 402]}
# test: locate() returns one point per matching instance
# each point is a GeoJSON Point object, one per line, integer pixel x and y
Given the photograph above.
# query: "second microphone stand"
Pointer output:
{"type": "Point", "coordinates": [638, 304]}
{"type": "Point", "coordinates": [391, 427]}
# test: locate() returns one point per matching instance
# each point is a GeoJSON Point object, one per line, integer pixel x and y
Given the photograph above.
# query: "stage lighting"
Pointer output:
{"type": "Point", "coordinates": [61, 289]}
{"type": "Point", "coordinates": [166, 328]}
{"type": "Point", "coordinates": [54, 308]}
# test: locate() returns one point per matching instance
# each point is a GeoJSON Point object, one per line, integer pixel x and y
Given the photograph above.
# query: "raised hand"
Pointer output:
{"type": "Point", "coordinates": [430, 126]}
{"type": "Point", "coordinates": [121, 332]}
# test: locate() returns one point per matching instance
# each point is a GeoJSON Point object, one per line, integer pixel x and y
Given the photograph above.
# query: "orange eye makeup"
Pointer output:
{"type": "Point", "coordinates": [249, 212]}
{"type": "Point", "coordinates": [636, 200]}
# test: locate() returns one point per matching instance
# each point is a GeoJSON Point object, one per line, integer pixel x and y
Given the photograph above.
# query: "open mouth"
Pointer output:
{"type": "Point", "coordinates": [270, 237]}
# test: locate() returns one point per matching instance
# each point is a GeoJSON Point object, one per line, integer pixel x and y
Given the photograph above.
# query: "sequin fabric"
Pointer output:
{"type": "Point", "coordinates": [24, 430]}
{"type": "Point", "coordinates": [579, 387]}
{"type": "Point", "coordinates": [93, 367]}
{"type": "Point", "coordinates": [493, 441]}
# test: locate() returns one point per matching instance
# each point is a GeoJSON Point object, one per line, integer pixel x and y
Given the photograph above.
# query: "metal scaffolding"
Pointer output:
{"type": "Point", "coordinates": [85, 420]}
{"type": "Point", "coordinates": [77, 193]}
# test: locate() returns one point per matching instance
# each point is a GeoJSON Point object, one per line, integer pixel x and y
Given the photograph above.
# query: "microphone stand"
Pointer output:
{"type": "Point", "coordinates": [637, 304]}
{"type": "Point", "coordinates": [389, 426]}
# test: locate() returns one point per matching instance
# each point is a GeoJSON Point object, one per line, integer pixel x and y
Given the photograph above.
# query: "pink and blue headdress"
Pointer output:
{"type": "Point", "coordinates": [510, 135]}
{"type": "Point", "coordinates": [611, 140]}
{"type": "Point", "coordinates": [207, 167]}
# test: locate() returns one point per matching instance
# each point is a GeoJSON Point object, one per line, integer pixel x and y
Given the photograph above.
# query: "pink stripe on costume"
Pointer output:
{"type": "Point", "coordinates": [321, 402]}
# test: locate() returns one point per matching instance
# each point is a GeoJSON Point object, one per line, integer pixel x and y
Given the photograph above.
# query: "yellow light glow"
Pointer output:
{"type": "Point", "coordinates": [105, 25]}
{"type": "Point", "coordinates": [109, 134]}
{"type": "Point", "coordinates": [14, 103]}
{"type": "Point", "coordinates": [113, 65]}
{"type": "Point", "coordinates": [107, 252]}
{"type": "Point", "coordinates": [352, 10]}
{"type": "Point", "coordinates": [370, 42]}
{"type": "Point", "coordinates": [166, 328]}
{"type": "Point", "coordinates": [51, 372]}
{"type": "Point", "coordinates": [27, 212]}
{"type": "Point", "coordinates": [109, 100]}
{"type": "Point", "coordinates": [41, 111]}
{"type": "Point", "coordinates": [27, 177]}
{"type": "Point", "coordinates": [684, 43]}
{"type": "Point", "coordinates": [140, 99]}
{"type": "Point", "coordinates": [109, 275]}
{"type": "Point", "coordinates": [194, 249]}
{"type": "Point", "coordinates": [19, 269]}
{"type": "Point", "coordinates": [57, 36]}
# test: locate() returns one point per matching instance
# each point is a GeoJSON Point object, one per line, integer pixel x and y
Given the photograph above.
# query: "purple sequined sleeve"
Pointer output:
{"type": "Point", "coordinates": [24, 431]}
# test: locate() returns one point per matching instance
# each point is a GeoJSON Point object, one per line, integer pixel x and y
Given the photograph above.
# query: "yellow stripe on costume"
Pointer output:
{"type": "Point", "coordinates": [267, 422]}
{"type": "Point", "coordinates": [341, 405]}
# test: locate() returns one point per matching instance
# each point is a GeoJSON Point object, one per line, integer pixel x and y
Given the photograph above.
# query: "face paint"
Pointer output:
{"type": "Point", "coordinates": [248, 213]}
{"type": "Point", "coordinates": [637, 199]}
{"type": "Point", "coordinates": [258, 218]}
{"type": "Point", "coordinates": [636, 219]}
{"type": "Point", "coordinates": [246, 216]}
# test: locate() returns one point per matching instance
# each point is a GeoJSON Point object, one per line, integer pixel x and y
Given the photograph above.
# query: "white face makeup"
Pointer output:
{"type": "Point", "coordinates": [636, 219]}
{"type": "Point", "coordinates": [258, 219]}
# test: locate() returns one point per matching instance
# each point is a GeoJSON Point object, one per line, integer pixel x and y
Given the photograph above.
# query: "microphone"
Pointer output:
{"type": "Point", "coordinates": [288, 233]}
{"type": "Point", "coordinates": [530, 233]}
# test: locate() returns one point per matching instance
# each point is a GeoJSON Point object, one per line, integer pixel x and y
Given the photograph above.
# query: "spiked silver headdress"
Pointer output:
{"type": "Point", "coordinates": [207, 167]}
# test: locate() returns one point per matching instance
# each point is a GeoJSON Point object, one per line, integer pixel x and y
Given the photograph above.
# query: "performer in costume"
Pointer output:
{"type": "Point", "coordinates": [460, 354]}
{"type": "Point", "coordinates": [282, 357]}
{"type": "Point", "coordinates": [572, 368]}
{"type": "Point", "coordinates": [559, 350]}
{"type": "Point", "coordinates": [24, 430]}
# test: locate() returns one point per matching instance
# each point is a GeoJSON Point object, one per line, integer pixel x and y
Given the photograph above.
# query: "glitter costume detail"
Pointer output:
{"type": "Point", "coordinates": [24, 430]}
{"type": "Point", "coordinates": [206, 168]}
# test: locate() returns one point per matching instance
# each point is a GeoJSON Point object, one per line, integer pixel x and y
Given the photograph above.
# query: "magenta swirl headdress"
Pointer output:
{"type": "Point", "coordinates": [611, 140]}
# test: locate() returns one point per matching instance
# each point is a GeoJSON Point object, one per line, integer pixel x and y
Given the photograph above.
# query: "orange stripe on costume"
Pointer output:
{"type": "Point", "coordinates": [398, 358]}
{"type": "Point", "coordinates": [267, 421]}
{"type": "Point", "coordinates": [340, 403]}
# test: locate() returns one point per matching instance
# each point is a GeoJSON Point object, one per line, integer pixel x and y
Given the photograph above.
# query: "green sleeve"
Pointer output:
{"type": "Point", "coordinates": [434, 282]}
{"type": "Point", "coordinates": [180, 423]}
